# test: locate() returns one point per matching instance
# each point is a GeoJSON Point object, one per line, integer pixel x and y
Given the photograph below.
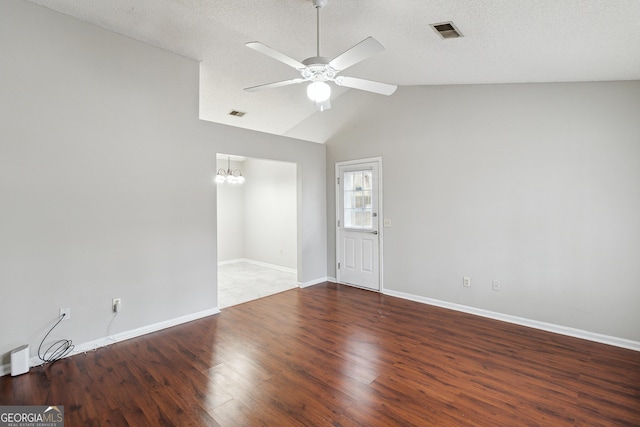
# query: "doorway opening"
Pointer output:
{"type": "Point", "coordinates": [256, 229]}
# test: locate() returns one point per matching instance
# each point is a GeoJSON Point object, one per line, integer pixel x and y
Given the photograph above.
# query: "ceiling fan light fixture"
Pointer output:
{"type": "Point", "coordinates": [318, 91]}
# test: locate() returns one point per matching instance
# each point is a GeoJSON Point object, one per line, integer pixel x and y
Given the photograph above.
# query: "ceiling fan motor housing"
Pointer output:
{"type": "Point", "coordinates": [318, 69]}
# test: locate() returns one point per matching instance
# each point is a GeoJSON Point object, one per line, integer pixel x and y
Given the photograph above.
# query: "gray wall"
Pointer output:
{"type": "Point", "coordinates": [106, 182]}
{"type": "Point", "coordinates": [535, 185]}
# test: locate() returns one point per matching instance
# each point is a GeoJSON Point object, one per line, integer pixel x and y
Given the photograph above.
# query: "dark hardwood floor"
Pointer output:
{"type": "Point", "coordinates": [331, 355]}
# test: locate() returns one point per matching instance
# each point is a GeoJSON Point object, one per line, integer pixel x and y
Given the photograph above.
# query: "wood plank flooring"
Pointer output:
{"type": "Point", "coordinates": [332, 355]}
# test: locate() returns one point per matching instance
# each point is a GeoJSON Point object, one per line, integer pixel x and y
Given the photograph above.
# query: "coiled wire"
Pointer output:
{"type": "Point", "coordinates": [58, 349]}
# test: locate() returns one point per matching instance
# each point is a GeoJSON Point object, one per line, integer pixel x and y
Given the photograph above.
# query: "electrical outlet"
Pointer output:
{"type": "Point", "coordinates": [66, 312]}
{"type": "Point", "coordinates": [116, 305]}
{"type": "Point", "coordinates": [495, 285]}
{"type": "Point", "coordinates": [466, 282]}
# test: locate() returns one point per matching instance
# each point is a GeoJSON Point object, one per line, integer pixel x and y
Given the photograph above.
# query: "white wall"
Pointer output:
{"type": "Point", "coordinates": [258, 219]}
{"type": "Point", "coordinates": [106, 182]}
{"type": "Point", "coordinates": [230, 217]}
{"type": "Point", "coordinates": [270, 212]}
{"type": "Point", "coordinates": [536, 185]}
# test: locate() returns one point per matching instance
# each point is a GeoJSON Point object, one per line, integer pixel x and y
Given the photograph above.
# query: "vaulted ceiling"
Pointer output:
{"type": "Point", "coordinates": [505, 41]}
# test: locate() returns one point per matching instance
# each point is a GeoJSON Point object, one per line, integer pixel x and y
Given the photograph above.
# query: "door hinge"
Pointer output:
{"type": "Point", "coordinates": [338, 223]}
{"type": "Point", "coordinates": [338, 266]}
{"type": "Point", "coordinates": [338, 180]}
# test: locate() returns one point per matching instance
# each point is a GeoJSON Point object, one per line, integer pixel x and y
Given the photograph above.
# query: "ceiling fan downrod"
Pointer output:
{"type": "Point", "coordinates": [319, 4]}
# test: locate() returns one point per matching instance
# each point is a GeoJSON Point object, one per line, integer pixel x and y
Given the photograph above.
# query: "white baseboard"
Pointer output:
{"type": "Point", "coordinates": [121, 336]}
{"type": "Point", "coordinates": [549, 327]}
{"type": "Point", "coordinates": [314, 282]}
{"type": "Point", "coordinates": [260, 263]}
{"type": "Point", "coordinates": [231, 261]}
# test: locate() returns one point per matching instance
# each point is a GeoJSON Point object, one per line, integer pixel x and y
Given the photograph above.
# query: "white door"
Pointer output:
{"type": "Point", "coordinates": [358, 241]}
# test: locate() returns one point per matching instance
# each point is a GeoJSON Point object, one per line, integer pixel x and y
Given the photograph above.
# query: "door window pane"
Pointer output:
{"type": "Point", "coordinates": [358, 207]}
{"type": "Point", "coordinates": [366, 220]}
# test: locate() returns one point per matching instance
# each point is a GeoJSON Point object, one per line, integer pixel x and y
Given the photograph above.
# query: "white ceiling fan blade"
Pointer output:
{"type": "Point", "coordinates": [368, 85]}
{"type": "Point", "coordinates": [322, 106]}
{"type": "Point", "coordinates": [274, 85]}
{"type": "Point", "coordinates": [264, 49]}
{"type": "Point", "coordinates": [363, 50]}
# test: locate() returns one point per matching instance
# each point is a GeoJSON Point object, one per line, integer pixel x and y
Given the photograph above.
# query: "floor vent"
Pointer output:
{"type": "Point", "coordinates": [447, 30]}
{"type": "Point", "coordinates": [237, 113]}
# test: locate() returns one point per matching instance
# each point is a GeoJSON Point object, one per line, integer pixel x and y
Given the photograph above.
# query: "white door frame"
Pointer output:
{"type": "Point", "coordinates": [377, 160]}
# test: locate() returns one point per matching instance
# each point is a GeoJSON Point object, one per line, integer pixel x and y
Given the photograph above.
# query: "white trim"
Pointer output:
{"type": "Point", "coordinates": [380, 227]}
{"type": "Point", "coordinates": [121, 336]}
{"type": "Point", "coordinates": [230, 261]}
{"type": "Point", "coordinates": [260, 263]}
{"type": "Point", "coordinates": [358, 161]}
{"type": "Point", "coordinates": [336, 229]}
{"type": "Point", "coordinates": [549, 327]}
{"type": "Point", "coordinates": [315, 282]}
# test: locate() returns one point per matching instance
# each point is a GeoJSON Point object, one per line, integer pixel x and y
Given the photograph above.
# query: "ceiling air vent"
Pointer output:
{"type": "Point", "coordinates": [237, 113]}
{"type": "Point", "coordinates": [447, 30]}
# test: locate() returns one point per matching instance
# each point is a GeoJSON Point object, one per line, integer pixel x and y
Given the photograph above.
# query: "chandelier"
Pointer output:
{"type": "Point", "coordinates": [229, 175]}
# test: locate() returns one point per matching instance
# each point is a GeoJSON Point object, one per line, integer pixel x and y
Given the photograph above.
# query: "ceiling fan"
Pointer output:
{"type": "Point", "coordinates": [319, 70]}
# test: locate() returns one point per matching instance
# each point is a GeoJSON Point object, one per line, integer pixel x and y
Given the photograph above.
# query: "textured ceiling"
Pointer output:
{"type": "Point", "coordinates": [505, 41]}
